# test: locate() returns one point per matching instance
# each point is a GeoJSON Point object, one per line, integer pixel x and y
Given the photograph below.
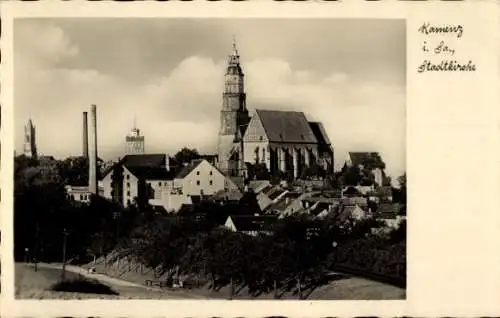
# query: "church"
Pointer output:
{"type": "Point", "coordinates": [284, 141]}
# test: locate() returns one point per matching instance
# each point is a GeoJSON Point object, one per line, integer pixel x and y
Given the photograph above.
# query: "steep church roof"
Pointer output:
{"type": "Point", "coordinates": [320, 133]}
{"type": "Point", "coordinates": [286, 126]}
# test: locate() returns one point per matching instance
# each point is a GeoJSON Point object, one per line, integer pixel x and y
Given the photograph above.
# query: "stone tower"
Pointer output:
{"type": "Point", "coordinates": [233, 117]}
{"type": "Point", "coordinates": [30, 140]}
{"type": "Point", "coordinates": [134, 142]}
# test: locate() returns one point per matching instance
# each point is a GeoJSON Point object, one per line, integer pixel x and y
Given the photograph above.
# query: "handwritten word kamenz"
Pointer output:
{"type": "Point", "coordinates": [429, 29]}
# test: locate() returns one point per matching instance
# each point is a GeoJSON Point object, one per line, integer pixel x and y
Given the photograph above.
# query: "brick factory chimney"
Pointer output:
{"type": "Point", "coordinates": [85, 152]}
{"type": "Point", "coordinates": [93, 151]}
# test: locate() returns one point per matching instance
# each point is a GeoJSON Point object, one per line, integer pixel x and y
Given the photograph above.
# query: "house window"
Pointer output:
{"type": "Point", "coordinates": [81, 197]}
{"type": "Point", "coordinates": [128, 184]}
{"type": "Point", "coordinates": [197, 173]}
{"type": "Point", "coordinates": [128, 202]}
{"type": "Point", "coordinates": [197, 182]}
{"type": "Point", "coordinates": [261, 138]}
{"type": "Point", "coordinates": [210, 173]}
{"type": "Point", "coordinates": [159, 183]}
{"type": "Point", "coordinates": [128, 177]}
{"type": "Point", "coordinates": [211, 182]}
{"type": "Point", "coordinates": [128, 193]}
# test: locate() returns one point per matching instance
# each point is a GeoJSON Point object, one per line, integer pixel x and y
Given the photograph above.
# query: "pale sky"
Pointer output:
{"type": "Point", "coordinates": [168, 74]}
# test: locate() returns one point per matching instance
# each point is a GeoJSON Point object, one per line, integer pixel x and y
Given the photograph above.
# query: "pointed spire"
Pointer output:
{"type": "Point", "coordinates": [235, 50]}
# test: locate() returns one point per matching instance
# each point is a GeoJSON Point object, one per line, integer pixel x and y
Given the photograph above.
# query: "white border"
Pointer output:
{"type": "Point", "coordinates": [196, 308]}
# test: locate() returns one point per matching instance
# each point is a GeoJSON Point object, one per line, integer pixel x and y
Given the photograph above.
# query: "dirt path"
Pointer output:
{"type": "Point", "coordinates": [36, 284]}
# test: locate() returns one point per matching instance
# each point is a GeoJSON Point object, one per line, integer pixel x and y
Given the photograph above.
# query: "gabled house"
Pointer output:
{"type": "Point", "coordinates": [280, 206]}
{"type": "Point", "coordinates": [201, 177]}
{"type": "Point", "coordinates": [251, 224]}
{"type": "Point", "coordinates": [137, 178]}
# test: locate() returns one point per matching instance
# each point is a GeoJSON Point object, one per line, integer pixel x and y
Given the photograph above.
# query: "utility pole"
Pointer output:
{"type": "Point", "coordinates": [65, 234]}
{"type": "Point", "coordinates": [36, 246]}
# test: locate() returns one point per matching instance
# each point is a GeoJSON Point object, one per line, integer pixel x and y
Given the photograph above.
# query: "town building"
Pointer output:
{"type": "Point", "coordinates": [158, 180]}
{"type": "Point", "coordinates": [127, 179]}
{"type": "Point", "coordinates": [134, 142]}
{"type": "Point", "coordinates": [251, 224]}
{"type": "Point", "coordinates": [78, 193]}
{"type": "Point", "coordinates": [370, 160]}
{"type": "Point", "coordinates": [30, 149]}
{"type": "Point", "coordinates": [284, 141]}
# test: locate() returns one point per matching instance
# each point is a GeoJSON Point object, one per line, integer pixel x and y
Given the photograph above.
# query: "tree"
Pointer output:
{"type": "Point", "coordinates": [248, 204]}
{"type": "Point", "coordinates": [402, 188]}
{"type": "Point", "coordinates": [186, 155]}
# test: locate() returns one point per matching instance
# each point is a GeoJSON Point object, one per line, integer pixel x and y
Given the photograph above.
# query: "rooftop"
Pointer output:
{"type": "Point", "coordinates": [286, 126]}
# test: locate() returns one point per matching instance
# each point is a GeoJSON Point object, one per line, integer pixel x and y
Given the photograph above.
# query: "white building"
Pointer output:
{"type": "Point", "coordinates": [78, 193]}
{"type": "Point", "coordinates": [165, 186]}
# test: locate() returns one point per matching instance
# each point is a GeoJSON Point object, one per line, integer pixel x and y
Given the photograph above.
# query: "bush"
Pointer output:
{"type": "Point", "coordinates": [81, 285]}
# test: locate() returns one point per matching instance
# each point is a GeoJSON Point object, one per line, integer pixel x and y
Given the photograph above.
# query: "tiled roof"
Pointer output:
{"type": "Point", "coordinates": [320, 133]}
{"type": "Point", "coordinates": [267, 190]}
{"type": "Point", "coordinates": [229, 195]}
{"type": "Point", "coordinates": [148, 160]}
{"type": "Point", "coordinates": [286, 126]}
{"type": "Point", "coordinates": [187, 169]}
{"type": "Point", "coordinates": [276, 194]}
{"type": "Point", "coordinates": [152, 173]}
{"type": "Point", "coordinates": [352, 191]}
{"type": "Point", "coordinates": [320, 207]}
{"type": "Point", "coordinates": [282, 204]}
{"type": "Point", "coordinates": [253, 223]}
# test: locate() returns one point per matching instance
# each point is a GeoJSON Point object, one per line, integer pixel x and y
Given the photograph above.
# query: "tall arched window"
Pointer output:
{"type": "Point", "coordinates": [256, 156]}
{"type": "Point", "coordinates": [264, 155]}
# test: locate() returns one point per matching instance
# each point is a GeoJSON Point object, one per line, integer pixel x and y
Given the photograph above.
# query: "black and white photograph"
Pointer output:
{"type": "Point", "coordinates": [210, 158]}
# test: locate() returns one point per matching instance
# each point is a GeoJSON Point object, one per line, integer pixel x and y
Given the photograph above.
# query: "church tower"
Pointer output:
{"type": "Point", "coordinates": [30, 140]}
{"type": "Point", "coordinates": [233, 117]}
{"type": "Point", "coordinates": [134, 142]}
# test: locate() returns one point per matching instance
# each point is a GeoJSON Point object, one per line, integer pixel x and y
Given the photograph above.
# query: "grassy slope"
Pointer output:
{"type": "Point", "coordinates": [343, 288]}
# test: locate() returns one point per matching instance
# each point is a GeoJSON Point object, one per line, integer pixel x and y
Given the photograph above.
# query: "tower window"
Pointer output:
{"type": "Point", "coordinates": [197, 173]}
{"type": "Point", "coordinates": [159, 183]}
{"type": "Point", "coordinates": [128, 177]}
{"type": "Point", "coordinates": [128, 193]}
{"type": "Point", "coordinates": [211, 182]}
{"type": "Point", "coordinates": [128, 184]}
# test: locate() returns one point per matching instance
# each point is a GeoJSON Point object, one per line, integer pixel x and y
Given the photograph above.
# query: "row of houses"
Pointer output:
{"type": "Point", "coordinates": [166, 184]}
{"type": "Point", "coordinates": [169, 186]}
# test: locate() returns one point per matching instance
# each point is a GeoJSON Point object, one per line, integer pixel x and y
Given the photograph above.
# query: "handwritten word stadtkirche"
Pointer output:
{"type": "Point", "coordinates": [442, 48]}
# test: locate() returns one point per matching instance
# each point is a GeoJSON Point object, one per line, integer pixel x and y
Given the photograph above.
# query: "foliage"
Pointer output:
{"type": "Point", "coordinates": [42, 213]}
{"type": "Point", "coordinates": [313, 171]}
{"type": "Point", "coordinates": [298, 250]}
{"type": "Point", "coordinates": [258, 171]}
{"type": "Point", "coordinates": [186, 155]}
